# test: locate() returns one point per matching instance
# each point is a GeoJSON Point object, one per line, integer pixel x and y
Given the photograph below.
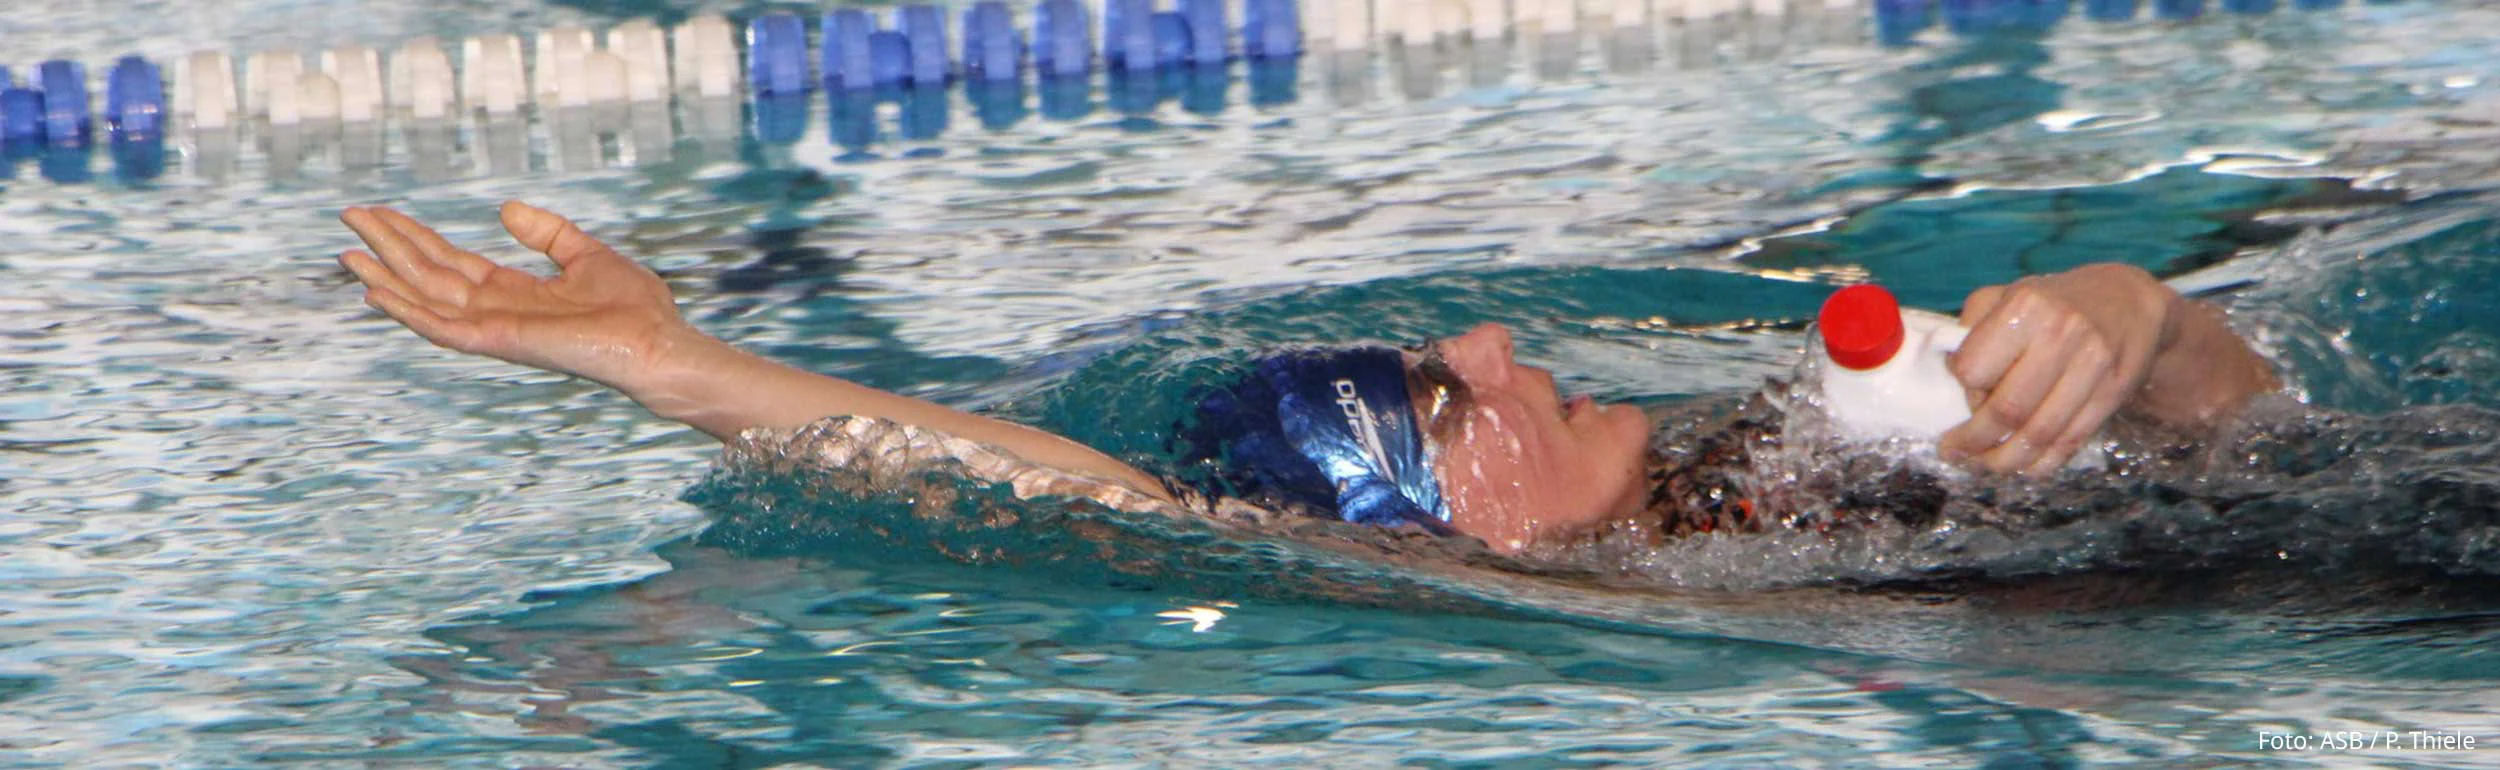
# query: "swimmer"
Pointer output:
{"type": "Point", "coordinates": [1453, 437]}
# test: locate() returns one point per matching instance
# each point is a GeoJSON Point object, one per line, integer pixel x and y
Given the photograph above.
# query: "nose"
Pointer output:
{"type": "Point", "coordinates": [1492, 337]}
{"type": "Point", "coordinates": [1482, 356]}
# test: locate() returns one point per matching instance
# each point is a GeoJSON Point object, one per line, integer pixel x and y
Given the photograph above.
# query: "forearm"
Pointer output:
{"type": "Point", "coordinates": [2204, 373]}
{"type": "Point", "coordinates": [723, 391]}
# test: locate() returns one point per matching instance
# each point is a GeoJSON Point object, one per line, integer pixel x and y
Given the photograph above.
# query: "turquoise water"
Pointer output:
{"type": "Point", "coordinates": [246, 521]}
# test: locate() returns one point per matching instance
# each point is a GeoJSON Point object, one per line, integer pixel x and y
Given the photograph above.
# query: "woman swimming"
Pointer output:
{"type": "Point", "coordinates": [1454, 437]}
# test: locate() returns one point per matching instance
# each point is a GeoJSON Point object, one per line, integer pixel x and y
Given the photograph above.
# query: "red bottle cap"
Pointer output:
{"type": "Point", "coordinates": [1861, 326]}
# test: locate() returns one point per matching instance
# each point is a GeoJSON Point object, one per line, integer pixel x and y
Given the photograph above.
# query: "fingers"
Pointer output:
{"type": "Point", "coordinates": [468, 265]}
{"type": "Point", "coordinates": [1975, 308]}
{"type": "Point", "coordinates": [2105, 400]}
{"type": "Point", "coordinates": [426, 323]}
{"type": "Point", "coordinates": [2042, 382]}
{"type": "Point", "coordinates": [1996, 342]}
{"type": "Point", "coordinates": [385, 291]}
{"type": "Point", "coordinates": [549, 233]}
{"type": "Point", "coordinates": [422, 276]}
{"type": "Point", "coordinates": [2051, 421]}
{"type": "Point", "coordinates": [2009, 406]}
{"type": "Point", "coordinates": [374, 274]}
{"type": "Point", "coordinates": [1980, 303]}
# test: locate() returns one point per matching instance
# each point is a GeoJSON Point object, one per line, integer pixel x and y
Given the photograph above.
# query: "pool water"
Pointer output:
{"type": "Point", "coordinates": [245, 520]}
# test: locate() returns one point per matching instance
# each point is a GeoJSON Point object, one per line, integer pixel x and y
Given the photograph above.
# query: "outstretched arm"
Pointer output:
{"type": "Point", "coordinates": [608, 319]}
{"type": "Point", "coordinates": [2051, 358]}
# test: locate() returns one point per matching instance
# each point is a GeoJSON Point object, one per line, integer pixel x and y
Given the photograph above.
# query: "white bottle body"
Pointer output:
{"type": "Point", "coordinates": [1913, 397]}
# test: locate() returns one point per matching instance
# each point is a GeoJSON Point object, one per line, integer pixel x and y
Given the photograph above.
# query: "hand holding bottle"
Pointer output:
{"type": "Point", "coordinates": [2051, 358]}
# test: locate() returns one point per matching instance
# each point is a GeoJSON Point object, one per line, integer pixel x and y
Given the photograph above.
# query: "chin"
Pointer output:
{"type": "Point", "coordinates": [1633, 420]}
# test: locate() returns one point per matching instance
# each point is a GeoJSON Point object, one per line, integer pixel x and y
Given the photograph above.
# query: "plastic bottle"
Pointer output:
{"type": "Point", "coordinates": [1885, 375]}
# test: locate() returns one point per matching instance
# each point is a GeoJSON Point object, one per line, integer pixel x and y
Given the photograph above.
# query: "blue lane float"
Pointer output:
{"type": "Point", "coordinates": [21, 111]}
{"type": "Point", "coordinates": [134, 108]}
{"type": "Point", "coordinates": [1061, 47]}
{"type": "Point", "coordinates": [923, 28]}
{"type": "Point", "coordinates": [21, 115]}
{"type": "Point", "coordinates": [992, 49]}
{"type": "Point", "coordinates": [134, 99]}
{"type": "Point", "coordinates": [1270, 29]}
{"type": "Point", "coordinates": [66, 111]}
{"type": "Point", "coordinates": [1172, 39]}
{"type": "Point", "coordinates": [777, 54]}
{"type": "Point", "coordinates": [1970, 17]}
{"type": "Point", "coordinates": [1207, 27]}
{"type": "Point", "coordinates": [889, 58]}
{"type": "Point", "coordinates": [1128, 35]}
{"type": "Point", "coordinates": [1154, 56]}
{"type": "Point", "coordinates": [848, 62]}
{"type": "Point", "coordinates": [10, 151]}
{"type": "Point", "coordinates": [1978, 17]}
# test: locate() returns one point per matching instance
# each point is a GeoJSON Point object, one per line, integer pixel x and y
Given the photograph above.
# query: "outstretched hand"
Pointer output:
{"type": "Point", "coordinates": [604, 317]}
{"type": "Point", "coordinates": [2051, 358]}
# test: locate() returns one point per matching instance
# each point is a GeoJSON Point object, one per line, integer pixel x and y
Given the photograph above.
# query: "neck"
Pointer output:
{"type": "Point", "coordinates": [1635, 497]}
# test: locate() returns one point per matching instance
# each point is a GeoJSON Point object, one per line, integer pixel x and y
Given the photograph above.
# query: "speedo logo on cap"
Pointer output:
{"type": "Point", "coordinates": [1358, 418]}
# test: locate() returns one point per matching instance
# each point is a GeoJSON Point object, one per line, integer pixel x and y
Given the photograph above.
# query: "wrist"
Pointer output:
{"type": "Point", "coordinates": [2176, 310]}
{"type": "Point", "coordinates": [679, 373]}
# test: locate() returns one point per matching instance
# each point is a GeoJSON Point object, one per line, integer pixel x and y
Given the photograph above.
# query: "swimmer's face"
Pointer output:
{"type": "Point", "coordinates": [1517, 461]}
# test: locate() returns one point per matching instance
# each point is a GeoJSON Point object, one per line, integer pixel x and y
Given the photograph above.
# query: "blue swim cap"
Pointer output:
{"type": "Point", "coordinates": [1329, 429]}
